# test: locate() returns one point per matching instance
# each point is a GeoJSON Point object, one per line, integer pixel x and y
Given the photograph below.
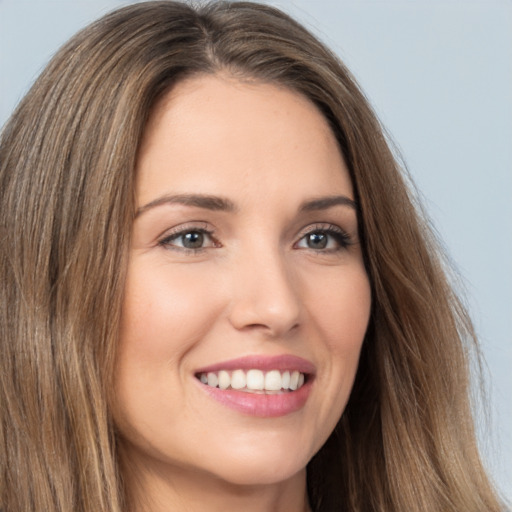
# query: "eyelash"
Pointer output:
{"type": "Point", "coordinates": [167, 241]}
{"type": "Point", "coordinates": [341, 238]}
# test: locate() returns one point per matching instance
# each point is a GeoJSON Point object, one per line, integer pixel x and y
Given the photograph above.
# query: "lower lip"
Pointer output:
{"type": "Point", "coordinates": [261, 405]}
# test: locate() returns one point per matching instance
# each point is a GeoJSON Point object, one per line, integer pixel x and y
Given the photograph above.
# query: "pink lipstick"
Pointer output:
{"type": "Point", "coordinates": [259, 385]}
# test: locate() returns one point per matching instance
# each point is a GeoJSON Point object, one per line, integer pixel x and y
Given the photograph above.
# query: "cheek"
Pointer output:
{"type": "Point", "coordinates": [339, 312]}
{"type": "Point", "coordinates": [166, 310]}
{"type": "Point", "coordinates": [342, 312]}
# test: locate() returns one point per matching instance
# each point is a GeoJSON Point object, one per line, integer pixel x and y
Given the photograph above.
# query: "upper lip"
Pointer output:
{"type": "Point", "coordinates": [261, 362]}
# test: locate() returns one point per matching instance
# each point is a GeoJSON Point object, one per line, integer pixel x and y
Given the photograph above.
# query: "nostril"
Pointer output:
{"type": "Point", "coordinates": [264, 296]}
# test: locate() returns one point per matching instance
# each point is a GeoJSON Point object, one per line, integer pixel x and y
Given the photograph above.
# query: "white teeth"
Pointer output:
{"type": "Point", "coordinates": [213, 380]}
{"type": "Point", "coordinates": [238, 380]}
{"type": "Point", "coordinates": [224, 380]}
{"type": "Point", "coordinates": [294, 380]}
{"type": "Point", "coordinates": [286, 380]}
{"type": "Point", "coordinates": [273, 381]}
{"type": "Point", "coordinates": [254, 380]}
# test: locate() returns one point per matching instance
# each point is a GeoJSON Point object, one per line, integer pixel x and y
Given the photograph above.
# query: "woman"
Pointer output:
{"type": "Point", "coordinates": [217, 289]}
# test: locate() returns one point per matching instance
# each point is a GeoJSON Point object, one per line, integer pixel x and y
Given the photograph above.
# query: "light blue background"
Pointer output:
{"type": "Point", "coordinates": [439, 74]}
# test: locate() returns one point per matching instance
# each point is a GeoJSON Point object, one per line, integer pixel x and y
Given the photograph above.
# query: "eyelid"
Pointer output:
{"type": "Point", "coordinates": [344, 239]}
{"type": "Point", "coordinates": [174, 233]}
{"type": "Point", "coordinates": [341, 236]}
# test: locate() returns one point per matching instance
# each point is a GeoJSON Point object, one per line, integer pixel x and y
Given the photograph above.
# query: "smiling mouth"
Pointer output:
{"type": "Point", "coordinates": [254, 380]}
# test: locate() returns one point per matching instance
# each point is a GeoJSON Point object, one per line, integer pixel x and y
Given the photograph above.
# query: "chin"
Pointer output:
{"type": "Point", "coordinates": [255, 474]}
{"type": "Point", "coordinates": [262, 466]}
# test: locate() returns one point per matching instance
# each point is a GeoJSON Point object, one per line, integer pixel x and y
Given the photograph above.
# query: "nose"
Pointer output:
{"type": "Point", "coordinates": [265, 294]}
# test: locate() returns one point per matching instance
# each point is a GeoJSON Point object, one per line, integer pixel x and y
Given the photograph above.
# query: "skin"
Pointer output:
{"type": "Point", "coordinates": [256, 286]}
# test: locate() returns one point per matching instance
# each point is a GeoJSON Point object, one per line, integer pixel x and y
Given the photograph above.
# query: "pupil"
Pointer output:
{"type": "Point", "coordinates": [193, 240]}
{"type": "Point", "coordinates": [317, 241]}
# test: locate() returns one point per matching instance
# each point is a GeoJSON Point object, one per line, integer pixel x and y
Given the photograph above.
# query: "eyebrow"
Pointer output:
{"type": "Point", "coordinates": [197, 200]}
{"type": "Point", "coordinates": [324, 203]}
{"type": "Point", "coordinates": [217, 203]}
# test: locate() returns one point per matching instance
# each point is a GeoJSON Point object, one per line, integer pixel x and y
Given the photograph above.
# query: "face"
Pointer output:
{"type": "Point", "coordinates": [246, 299]}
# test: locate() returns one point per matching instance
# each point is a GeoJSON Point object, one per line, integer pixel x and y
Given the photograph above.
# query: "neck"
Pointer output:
{"type": "Point", "coordinates": [162, 489]}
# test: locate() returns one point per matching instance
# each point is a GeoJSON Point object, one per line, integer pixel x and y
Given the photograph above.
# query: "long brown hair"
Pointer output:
{"type": "Point", "coordinates": [405, 442]}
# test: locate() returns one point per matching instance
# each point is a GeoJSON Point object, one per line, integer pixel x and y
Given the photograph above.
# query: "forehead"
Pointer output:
{"type": "Point", "coordinates": [219, 133]}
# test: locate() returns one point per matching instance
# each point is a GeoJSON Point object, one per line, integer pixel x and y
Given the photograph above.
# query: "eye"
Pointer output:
{"type": "Point", "coordinates": [328, 238]}
{"type": "Point", "coordinates": [193, 239]}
